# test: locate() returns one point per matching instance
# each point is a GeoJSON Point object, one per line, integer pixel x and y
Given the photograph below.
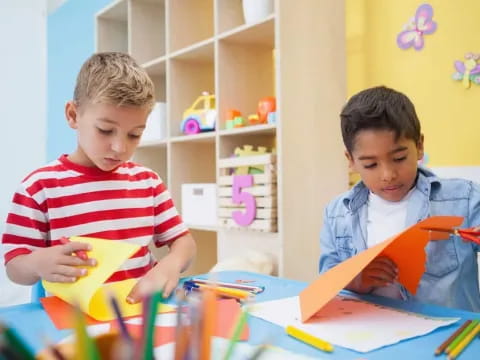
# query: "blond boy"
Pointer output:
{"type": "Point", "coordinates": [97, 191]}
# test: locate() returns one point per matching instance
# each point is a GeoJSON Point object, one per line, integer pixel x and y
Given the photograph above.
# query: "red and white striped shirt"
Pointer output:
{"type": "Point", "coordinates": [62, 198]}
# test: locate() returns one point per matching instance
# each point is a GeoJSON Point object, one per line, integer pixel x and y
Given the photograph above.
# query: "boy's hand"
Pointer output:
{"type": "Point", "coordinates": [163, 276]}
{"type": "Point", "coordinates": [57, 264]}
{"type": "Point", "coordinates": [380, 272]}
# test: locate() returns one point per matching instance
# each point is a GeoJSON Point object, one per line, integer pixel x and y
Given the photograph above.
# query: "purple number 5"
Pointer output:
{"type": "Point", "coordinates": [242, 197]}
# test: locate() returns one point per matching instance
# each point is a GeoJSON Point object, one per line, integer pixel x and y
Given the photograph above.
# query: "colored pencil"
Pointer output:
{"type": "Point", "coordinates": [118, 314]}
{"type": "Point", "coordinates": [150, 325]}
{"type": "Point", "coordinates": [181, 332]}
{"type": "Point", "coordinates": [447, 342]}
{"type": "Point", "coordinates": [236, 332]}
{"type": "Point", "coordinates": [6, 351]}
{"type": "Point", "coordinates": [222, 291]}
{"type": "Point", "coordinates": [251, 288]}
{"type": "Point", "coordinates": [195, 315]}
{"type": "Point", "coordinates": [208, 324]}
{"type": "Point", "coordinates": [85, 347]}
{"type": "Point", "coordinates": [13, 341]}
{"type": "Point", "coordinates": [308, 339]}
{"type": "Point", "coordinates": [464, 343]}
{"type": "Point", "coordinates": [258, 352]}
{"type": "Point", "coordinates": [460, 337]}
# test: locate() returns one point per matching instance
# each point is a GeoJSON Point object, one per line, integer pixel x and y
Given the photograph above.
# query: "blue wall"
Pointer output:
{"type": "Point", "coordinates": [70, 41]}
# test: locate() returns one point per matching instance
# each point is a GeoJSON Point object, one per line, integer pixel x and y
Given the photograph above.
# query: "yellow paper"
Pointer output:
{"type": "Point", "coordinates": [88, 291]}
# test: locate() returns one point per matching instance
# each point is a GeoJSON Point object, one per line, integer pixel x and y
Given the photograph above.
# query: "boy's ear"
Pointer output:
{"type": "Point", "coordinates": [71, 114]}
{"type": "Point", "coordinates": [420, 147]}
{"type": "Point", "coordinates": [350, 160]}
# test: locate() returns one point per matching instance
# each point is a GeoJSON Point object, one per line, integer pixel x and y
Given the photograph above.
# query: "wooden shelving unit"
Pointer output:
{"type": "Point", "coordinates": [189, 47]}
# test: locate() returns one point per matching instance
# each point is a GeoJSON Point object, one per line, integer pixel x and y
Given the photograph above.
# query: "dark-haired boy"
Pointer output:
{"type": "Point", "coordinates": [383, 141]}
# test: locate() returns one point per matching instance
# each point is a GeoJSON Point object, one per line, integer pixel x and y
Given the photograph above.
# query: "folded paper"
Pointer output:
{"type": "Point", "coordinates": [407, 250]}
{"type": "Point", "coordinates": [89, 292]}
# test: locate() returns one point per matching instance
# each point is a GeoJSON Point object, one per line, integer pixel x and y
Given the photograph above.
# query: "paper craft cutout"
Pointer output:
{"type": "Point", "coordinates": [420, 25]}
{"type": "Point", "coordinates": [468, 71]}
{"type": "Point", "coordinates": [60, 312]}
{"type": "Point", "coordinates": [406, 249]}
{"type": "Point", "coordinates": [88, 291]}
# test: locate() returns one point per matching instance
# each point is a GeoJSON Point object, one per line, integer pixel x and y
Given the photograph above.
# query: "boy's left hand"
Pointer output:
{"type": "Point", "coordinates": [162, 277]}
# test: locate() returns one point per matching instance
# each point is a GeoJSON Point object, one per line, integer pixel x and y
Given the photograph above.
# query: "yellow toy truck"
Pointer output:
{"type": "Point", "coordinates": [201, 116]}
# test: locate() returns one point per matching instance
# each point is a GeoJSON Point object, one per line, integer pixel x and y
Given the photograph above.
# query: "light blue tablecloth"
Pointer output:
{"type": "Point", "coordinates": [31, 321]}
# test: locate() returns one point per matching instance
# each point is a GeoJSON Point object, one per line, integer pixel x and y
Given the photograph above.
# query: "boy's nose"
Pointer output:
{"type": "Point", "coordinates": [119, 146]}
{"type": "Point", "coordinates": [388, 174]}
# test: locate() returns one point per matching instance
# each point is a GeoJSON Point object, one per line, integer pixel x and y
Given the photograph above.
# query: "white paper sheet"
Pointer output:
{"type": "Point", "coordinates": [352, 323]}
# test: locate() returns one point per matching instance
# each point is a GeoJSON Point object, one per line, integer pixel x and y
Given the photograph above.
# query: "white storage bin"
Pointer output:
{"type": "Point", "coordinates": [199, 204]}
{"type": "Point", "coordinates": [156, 127]}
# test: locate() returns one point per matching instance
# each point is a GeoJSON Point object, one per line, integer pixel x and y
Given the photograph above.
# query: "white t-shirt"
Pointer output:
{"type": "Point", "coordinates": [385, 219]}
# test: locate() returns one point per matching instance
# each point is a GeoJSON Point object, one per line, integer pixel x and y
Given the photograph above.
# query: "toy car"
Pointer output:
{"type": "Point", "coordinates": [201, 116]}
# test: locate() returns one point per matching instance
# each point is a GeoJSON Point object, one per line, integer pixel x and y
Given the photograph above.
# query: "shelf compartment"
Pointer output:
{"type": "Point", "coordinates": [229, 15]}
{"type": "Point", "coordinates": [261, 33]}
{"type": "Point", "coordinates": [147, 29]}
{"type": "Point", "coordinates": [228, 144]}
{"type": "Point", "coordinates": [246, 72]}
{"type": "Point", "coordinates": [189, 22]}
{"type": "Point", "coordinates": [156, 69]}
{"type": "Point", "coordinates": [206, 256]}
{"type": "Point", "coordinates": [112, 28]}
{"type": "Point", "coordinates": [192, 73]}
{"type": "Point", "coordinates": [186, 169]}
{"type": "Point", "coordinates": [153, 158]}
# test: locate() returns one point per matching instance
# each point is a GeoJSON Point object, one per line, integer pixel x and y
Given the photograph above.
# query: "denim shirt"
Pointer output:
{"type": "Point", "coordinates": [451, 276]}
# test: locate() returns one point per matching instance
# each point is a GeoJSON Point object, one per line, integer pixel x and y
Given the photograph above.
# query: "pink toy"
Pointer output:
{"type": "Point", "coordinates": [242, 197]}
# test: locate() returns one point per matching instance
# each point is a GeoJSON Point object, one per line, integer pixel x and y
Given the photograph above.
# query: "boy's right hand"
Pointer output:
{"type": "Point", "coordinates": [58, 264]}
{"type": "Point", "coordinates": [380, 272]}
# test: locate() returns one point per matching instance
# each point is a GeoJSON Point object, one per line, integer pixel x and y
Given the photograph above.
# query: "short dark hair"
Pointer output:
{"type": "Point", "coordinates": [379, 108]}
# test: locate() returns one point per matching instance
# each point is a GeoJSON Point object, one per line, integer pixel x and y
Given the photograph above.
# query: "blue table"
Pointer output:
{"type": "Point", "coordinates": [31, 321]}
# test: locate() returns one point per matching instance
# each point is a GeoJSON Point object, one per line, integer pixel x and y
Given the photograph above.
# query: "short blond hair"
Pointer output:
{"type": "Point", "coordinates": [114, 78]}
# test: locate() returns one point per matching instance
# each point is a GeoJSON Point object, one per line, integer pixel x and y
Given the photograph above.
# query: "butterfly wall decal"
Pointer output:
{"type": "Point", "coordinates": [420, 25]}
{"type": "Point", "coordinates": [468, 71]}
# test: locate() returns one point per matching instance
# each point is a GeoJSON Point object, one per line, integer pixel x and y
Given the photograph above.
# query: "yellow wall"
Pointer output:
{"type": "Point", "coordinates": [450, 115]}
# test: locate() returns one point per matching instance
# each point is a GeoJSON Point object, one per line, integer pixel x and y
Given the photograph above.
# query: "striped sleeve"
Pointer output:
{"type": "Point", "coordinates": [26, 227]}
{"type": "Point", "coordinates": [168, 223]}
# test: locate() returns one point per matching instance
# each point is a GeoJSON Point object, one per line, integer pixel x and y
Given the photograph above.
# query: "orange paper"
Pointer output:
{"type": "Point", "coordinates": [60, 312]}
{"type": "Point", "coordinates": [406, 249]}
{"type": "Point", "coordinates": [228, 311]}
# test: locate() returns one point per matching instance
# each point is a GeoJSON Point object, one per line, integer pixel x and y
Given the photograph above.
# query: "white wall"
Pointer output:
{"type": "Point", "coordinates": [23, 108]}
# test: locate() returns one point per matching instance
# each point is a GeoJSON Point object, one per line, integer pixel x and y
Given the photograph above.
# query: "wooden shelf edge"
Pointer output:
{"type": "Point", "coordinates": [267, 128]}
{"type": "Point", "coordinates": [228, 33]}
{"type": "Point", "coordinates": [191, 48]}
{"type": "Point", "coordinates": [201, 137]}
{"type": "Point", "coordinates": [109, 7]}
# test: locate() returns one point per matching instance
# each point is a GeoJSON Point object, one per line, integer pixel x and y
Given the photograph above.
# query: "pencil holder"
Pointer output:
{"type": "Point", "coordinates": [106, 344]}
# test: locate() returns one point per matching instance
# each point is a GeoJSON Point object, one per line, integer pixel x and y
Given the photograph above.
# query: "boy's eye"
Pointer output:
{"type": "Point", "coordinates": [134, 136]}
{"type": "Point", "coordinates": [400, 159]}
{"type": "Point", "coordinates": [370, 166]}
{"type": "Point", "coordinates": [104, 131]}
